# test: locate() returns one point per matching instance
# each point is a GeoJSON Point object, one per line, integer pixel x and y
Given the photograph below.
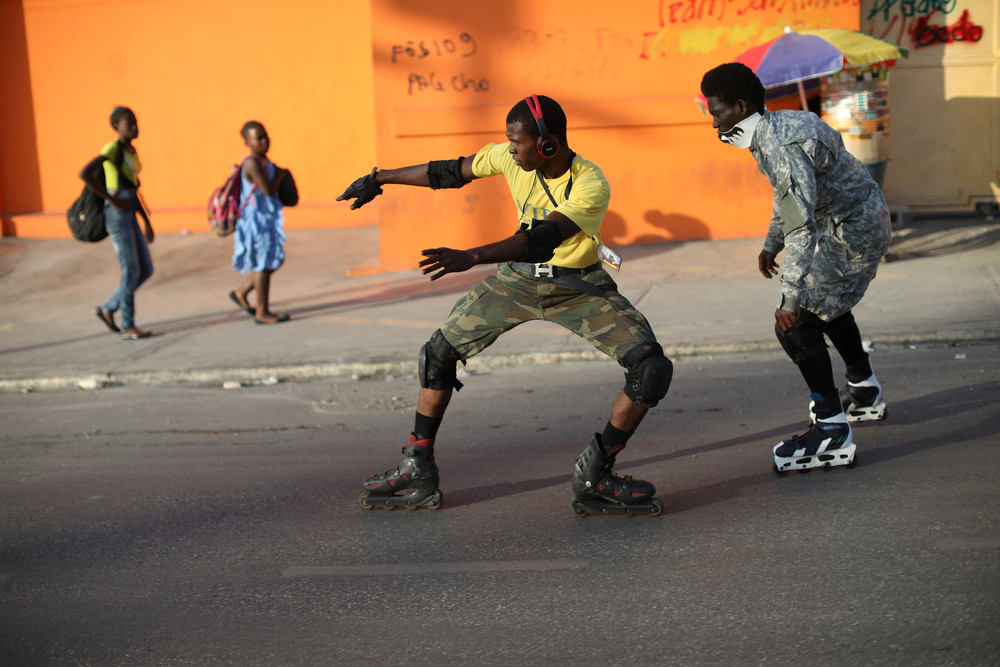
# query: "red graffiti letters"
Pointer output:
{"type": "Point", "coordinates": [963, 30]}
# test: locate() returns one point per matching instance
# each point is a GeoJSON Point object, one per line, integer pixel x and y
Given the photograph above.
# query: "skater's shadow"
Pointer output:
{"type": "Point", "coordinates": [481, 494]}
{"type": "Point", "coordinates": [942, 404]}
{"type": "Point", "coordinates": [404, 287]}
{"type": "Point", "coordinates": [689, 499]}
{"type": "Point", "coordinates": [947, 403]}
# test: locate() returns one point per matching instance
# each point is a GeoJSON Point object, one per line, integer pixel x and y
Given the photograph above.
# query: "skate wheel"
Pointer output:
{"type": "Point", "coordinates": [363, 501]}
{"type": "Point", "coordinates": [657, 507]}
{"type": "Point", "coordinates": [778, 471]}
{"type": "Point", "coordinates": [853, 462]}
{"type": "Point", "coordinates": [435, 504]}
{"type": "Point", "coordinates": [579, 510]}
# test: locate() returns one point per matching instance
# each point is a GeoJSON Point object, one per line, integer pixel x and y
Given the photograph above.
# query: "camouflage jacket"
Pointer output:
{"type": "Point", "coordinates": [822, 194]}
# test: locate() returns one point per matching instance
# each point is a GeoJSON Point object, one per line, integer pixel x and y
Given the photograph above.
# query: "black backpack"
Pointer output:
{"type": "Point", "coordinates": [86, 215]}
{"type": "Point", "coordinates": [288, 192]}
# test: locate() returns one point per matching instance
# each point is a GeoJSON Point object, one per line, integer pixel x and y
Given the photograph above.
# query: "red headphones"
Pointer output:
{"type": "Point", "coordinates": [547, 145]}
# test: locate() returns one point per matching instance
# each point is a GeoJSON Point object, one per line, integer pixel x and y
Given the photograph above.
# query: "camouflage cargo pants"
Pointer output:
{"type": "Point", "coordinates": [501, 302]}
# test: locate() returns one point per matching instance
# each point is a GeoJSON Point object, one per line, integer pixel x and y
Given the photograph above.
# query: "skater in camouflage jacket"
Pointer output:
{"type": "Point", "coordinates": [832, 221]}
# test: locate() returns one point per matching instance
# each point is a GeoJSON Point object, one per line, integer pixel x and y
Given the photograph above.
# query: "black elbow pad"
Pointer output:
{"type": "Point", "coordinates": [543, 239]}
{"type": "Point", "coordinates": [445, 173]}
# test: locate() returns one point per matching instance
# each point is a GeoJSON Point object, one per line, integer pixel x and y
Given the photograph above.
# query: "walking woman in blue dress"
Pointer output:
{"type": "Point", "coordinates": [259, 248]}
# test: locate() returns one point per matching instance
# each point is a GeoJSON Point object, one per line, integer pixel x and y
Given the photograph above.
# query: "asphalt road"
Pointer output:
{"type": "Point", "coordinates": [185, 525]}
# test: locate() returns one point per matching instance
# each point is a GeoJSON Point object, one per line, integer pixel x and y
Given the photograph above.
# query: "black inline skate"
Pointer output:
{"type": "Point", "coordinates": [827, 443]}
{"type": "Point", "coordinates": [597, 490]}
{"type": "Point", "coordinates": [412, 484]}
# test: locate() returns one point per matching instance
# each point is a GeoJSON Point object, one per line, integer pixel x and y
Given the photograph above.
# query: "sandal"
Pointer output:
{"type": "Point", "coordinates": [107, 318]}
{"type": "Point", "coordinates": [284, 317]}
{"type": "Point", "coordinates": [235, 299]}
{"type": "Point", "coordinates": [135, 334]}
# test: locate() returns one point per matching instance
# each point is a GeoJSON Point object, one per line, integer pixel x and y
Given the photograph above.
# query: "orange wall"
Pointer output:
{"type": "Point", "coordinates": [194, 72]}
{"type": "Point", "coordinates": [339, 93]}
{"type": "Point", "coordinates": [446, 74]}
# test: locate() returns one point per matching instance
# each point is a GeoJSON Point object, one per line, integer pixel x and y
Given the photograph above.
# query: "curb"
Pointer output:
{"type": "Point", "coordinates": [232, 376]}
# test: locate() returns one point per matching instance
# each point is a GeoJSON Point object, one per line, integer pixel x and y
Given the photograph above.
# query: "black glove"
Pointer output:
{"type": "Point", "coordinates": [362, 190]}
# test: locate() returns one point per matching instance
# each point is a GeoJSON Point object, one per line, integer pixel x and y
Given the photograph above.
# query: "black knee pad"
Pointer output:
{"type": "Point", "coordinates": [649, 374]}
{"type": "Point", "coordinates": [437, 364]}
{"type": "Point", "coordinates": [804, 340]}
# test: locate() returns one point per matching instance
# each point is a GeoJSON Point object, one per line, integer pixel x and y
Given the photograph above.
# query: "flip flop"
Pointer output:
{"type": "Point", "coordinates": [284, 317]}
{"type": "Point", "coordinates": [125, 335]}
{"type": "Point", "coordinates": [107, 318]}
{"type": "Point", "coordinates": [235, 299]}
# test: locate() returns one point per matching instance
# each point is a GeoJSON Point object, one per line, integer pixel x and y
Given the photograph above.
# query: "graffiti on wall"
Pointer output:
{"type": "Point", "coordinates": [463, 46]}
{"type": "Point", "coordinates": [689, 27]}
{"type": "Point", "coordinates": [918, 24]}
{"type": "Point", "coordinates": [451, 65]}
{"type": "Point", "coordinates": [485, 62]}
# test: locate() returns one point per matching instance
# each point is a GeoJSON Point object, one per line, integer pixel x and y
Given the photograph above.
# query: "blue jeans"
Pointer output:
{"type": "Point", "coordinates": [133, 256]}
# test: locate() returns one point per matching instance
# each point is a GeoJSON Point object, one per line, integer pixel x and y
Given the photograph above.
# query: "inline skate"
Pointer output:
{"type": "Point", "coordinates": [596, 490]}
{"type": "Point", "coordinates": [862, 401]}
{"type": "Point", "coordinates": [412, 484]}
{"type": "Point", "coordinates": [827, 443]}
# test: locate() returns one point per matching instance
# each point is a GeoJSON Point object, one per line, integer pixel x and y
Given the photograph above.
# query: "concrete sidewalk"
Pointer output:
{"type": "Point", "coordinates": [701, 297]}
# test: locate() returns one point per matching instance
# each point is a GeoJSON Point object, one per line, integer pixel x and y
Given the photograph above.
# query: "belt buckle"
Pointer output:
{"type": "Point", "coordinates": [544, 271]}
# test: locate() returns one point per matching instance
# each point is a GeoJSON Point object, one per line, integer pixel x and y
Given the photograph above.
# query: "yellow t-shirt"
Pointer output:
{"type": "Point", "coordinates": [130, 165]}
{"type": "Point", "coordinates": [586, 204]}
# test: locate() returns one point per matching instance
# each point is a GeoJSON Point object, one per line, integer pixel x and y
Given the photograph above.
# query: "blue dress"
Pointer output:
{"type": "Point", "coordinates": [260, 236]}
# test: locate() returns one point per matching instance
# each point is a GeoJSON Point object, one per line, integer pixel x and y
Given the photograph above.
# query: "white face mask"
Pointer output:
{"type": "Point", "coordinates": [742, 133]}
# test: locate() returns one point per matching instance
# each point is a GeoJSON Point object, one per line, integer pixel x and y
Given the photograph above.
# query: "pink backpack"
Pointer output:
{"type": "Point", "coordinates": [224, 207]}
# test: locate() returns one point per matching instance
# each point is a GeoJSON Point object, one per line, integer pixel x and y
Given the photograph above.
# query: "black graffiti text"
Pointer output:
{"type": "Point", "coordinates": [460, 83]}
{"type": "Point", "coordinates": [465, 47]}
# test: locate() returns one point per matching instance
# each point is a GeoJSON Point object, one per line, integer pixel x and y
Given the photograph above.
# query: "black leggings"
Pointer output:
{"type": "Point", "coordinates": [805, 345]}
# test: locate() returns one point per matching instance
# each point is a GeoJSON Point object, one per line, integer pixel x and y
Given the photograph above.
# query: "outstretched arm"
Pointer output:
{"type": "Point", "coordinates": [436, 174]}
{"type": "Point", "coordinates": [510, 249]}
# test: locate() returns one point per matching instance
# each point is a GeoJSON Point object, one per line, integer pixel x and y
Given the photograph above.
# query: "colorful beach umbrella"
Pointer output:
{"type": "Point", "coordinates": [807, 54]}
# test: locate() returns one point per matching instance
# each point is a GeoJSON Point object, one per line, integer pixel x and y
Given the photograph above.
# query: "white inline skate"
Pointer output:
{"type": "Point", "coordinates": [862, 401]}
{"type": "Point", "coordinates": [828, 442]}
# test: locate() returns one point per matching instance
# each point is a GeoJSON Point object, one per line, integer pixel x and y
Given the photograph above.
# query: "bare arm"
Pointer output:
{"type": "Point", "coordinates": [87, 174]}
{"type": "Point", "coordinates": [254, 170]}
{"type": "Point", "coordinates": [369, 186]}
{"type": "Point", "coordinates": [510, 249]}
{"type": "Point", "coordinates": [417, 174]}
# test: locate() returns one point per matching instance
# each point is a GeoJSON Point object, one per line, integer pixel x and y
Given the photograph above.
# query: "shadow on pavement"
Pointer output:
{"type": "Point", "coordinates": [947, 403]}
{"type": "Point", "coordinates": [932, 237]}
{"type": "Point", "coordinates": [400, 291]}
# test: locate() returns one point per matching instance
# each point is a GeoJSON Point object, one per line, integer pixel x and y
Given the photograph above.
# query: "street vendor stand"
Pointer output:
{"type": "Point", "coordinates": [854, 70]}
